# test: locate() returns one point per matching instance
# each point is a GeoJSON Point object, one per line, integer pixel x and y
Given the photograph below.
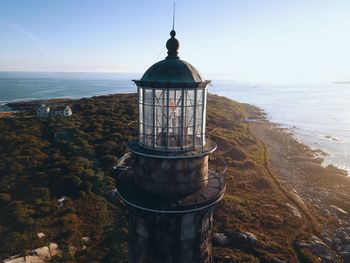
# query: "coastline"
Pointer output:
{"type": "Point", "coordinates": [259, 119]}
{"type": "Point", "coordinates": [323, 191]}
{"type": "Point", "coordinates": [255, 115]}
{"type": "Point", "coordinates": [11, 107]}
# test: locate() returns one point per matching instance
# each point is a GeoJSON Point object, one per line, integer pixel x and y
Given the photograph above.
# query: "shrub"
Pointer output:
{"type": "Point", "coordinates": [86, 186]}
{"type": "Point", "coordinates": [40, 192]}
{"type": "Point", "coordinates": [4, 198]}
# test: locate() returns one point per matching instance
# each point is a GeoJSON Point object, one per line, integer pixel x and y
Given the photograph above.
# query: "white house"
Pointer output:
{"type": "Point", "coordinates": [43, 111]}
{"type": "Point", "coordinates": [64, 111]}
{"type": "Point", "coordinates": [67, 111]}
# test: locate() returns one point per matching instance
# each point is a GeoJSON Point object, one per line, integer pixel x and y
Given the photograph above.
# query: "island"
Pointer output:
{"type": "Point", "coordinates": [57, 176]}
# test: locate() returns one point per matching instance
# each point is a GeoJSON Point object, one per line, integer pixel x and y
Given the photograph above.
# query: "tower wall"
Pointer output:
{"type": "Point", "coordinates": [170, 238]}
{"type": "Point", "coordinates": [169, 176]}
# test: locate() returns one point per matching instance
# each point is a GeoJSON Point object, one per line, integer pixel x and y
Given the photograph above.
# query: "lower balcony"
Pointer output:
{"type": "Point", "coordinates": [208, 192]}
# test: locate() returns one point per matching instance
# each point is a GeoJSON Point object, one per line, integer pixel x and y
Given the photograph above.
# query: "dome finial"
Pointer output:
{"type": "Point", "coordinates": [174, 16]}
{"type": "Point", "coordinates": [173, 44]}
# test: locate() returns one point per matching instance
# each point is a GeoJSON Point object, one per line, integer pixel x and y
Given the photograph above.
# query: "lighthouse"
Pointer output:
{"type": "Point", "coordinates": [173, 181]}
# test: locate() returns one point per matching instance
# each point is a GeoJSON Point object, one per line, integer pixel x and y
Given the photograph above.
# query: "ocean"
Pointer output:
{"type": "Point", "coordinates": [318, 115]}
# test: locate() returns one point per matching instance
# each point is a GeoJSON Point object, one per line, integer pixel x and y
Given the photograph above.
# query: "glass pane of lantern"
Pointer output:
{"type": "Point", "coordinates": [160, 116]}
{"type": "Point", "coordinates": [189, 98]}
{"type": "Point", "coordinates": [198, 139]}
{"type": "Point", "coordinates": [140, 94]}
{"type": "Point", "coordinates": [188, 142]}
{"type": "Point", "coordinates": [160, 97]}
{"type": "Point", "coordinates": [179, 95]}
{"type": "Point", "coordinates": [174, 128]}
{"type": "Point", "coordinates": [148, 96]}
{"type": "Point", "coordinates": [189, 131]}
{"type": "Point", "coordinates": [188, 117]}
{"type": "Point", "coordinates": [148, 130]}
{"type": "Point", "coordinates": [171, 95]}
{"type": "Point", "coordinates": [199, 97]}
{"type": "Point", "coordinates": [198, 127]}
{"type": "Point", "coordinates": [174, 137]}
{"type": "Point", "coordinates": [199, 114]}
{"type": "Point", "coordinates": [204, 115]}
{"type": "Point", "coordinates": [140, 113]}
{"type": "Point", "coordinates": [160, 137]}
{"type": "Point", "coordinates": [148, 115]}
{"type": "Point", "coordinates": [175, 118]}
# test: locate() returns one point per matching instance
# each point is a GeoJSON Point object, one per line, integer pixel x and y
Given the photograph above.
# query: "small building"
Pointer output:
{"type": "Point", "coordinates": [64, 111]}
{"type": "Point", "coordinates": [56, 111]}
{"type": "Point", "coordinates": [43, 111]}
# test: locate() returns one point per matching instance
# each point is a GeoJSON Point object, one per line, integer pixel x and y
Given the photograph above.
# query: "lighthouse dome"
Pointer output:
{"type": "Point", "coordinates": [172, 69]}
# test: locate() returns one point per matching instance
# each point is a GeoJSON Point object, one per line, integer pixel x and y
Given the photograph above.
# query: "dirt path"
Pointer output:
{"type": "Point", "coordinates": [307, 217]}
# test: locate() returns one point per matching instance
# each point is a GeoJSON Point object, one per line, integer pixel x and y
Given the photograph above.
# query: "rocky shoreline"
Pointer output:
{"type": "Point", "coordinates": [322, 191]}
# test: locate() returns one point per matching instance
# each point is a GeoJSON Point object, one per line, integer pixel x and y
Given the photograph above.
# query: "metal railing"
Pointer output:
{"type": "Point", "coordinates": [205, 192]}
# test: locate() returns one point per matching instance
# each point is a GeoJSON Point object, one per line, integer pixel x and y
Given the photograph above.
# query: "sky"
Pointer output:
{"type": "Point", "coordinates": [270, 41]}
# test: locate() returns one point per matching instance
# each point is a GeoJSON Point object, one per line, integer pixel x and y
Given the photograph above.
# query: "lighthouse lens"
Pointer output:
{"type": "Point", "coordinates": [171, 119]}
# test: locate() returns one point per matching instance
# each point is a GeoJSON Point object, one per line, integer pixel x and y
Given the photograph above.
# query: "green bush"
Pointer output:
{"type": "Point", "coordinates": [4, 198]}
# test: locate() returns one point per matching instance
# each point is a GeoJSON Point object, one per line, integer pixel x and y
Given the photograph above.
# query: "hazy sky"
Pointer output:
{"type": "Point", "coordinates": [245, 40]}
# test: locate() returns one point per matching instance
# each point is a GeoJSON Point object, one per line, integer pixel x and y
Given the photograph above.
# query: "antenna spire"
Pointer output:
{"type": "Point", "coordinates": [173, 44]}
{"type": "Point", "coordinates": [174, 14]}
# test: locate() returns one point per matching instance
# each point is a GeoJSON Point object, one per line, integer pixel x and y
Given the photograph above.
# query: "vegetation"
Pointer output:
{"type": "Point", "coordinates": [37, 169]}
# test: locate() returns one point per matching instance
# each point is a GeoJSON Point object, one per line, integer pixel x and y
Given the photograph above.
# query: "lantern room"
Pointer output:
{"type": "Point", "coordinates": [172, 104]}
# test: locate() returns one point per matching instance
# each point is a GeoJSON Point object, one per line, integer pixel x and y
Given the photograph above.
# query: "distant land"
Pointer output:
{"type": "Point", "coordinates": [342, 82]}
{"type": "Point", "coordinates": [281, 204]}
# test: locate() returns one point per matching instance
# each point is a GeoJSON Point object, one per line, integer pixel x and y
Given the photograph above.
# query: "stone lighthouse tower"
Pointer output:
{"type": "Point", "coordinates": [172, 184]}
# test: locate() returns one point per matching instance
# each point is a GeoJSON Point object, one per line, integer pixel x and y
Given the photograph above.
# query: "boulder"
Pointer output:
{"type": "Point", "coordinates": [251, 238]}
{"type": "Point", "coordinates": [40, 235]}
{"type": "Point", "coordinates": [318, 248]}
{"type": "Point", "coordinates": [326, 212]}
{"type": "Point", "coordinates": [340, 234]}
{"type": "Point", "coordinates": [328, 241]}
{"type": "Point", "coordinates": [336, 243]}
{"type": "Point", "coordinates": [85, 239]}
{"type": "Point", "coordinates": [243, 237]}
{"type": "Point", "coordinates": [220, 239]}
{"type": "Point", "coordinates": [346, 230]}
{"type": "Point", "coordinates": [339, 210]}
{"type": "Point", "coordinates": [227, 259]}
{"type": "Point", "coordinates": [238, 237]}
